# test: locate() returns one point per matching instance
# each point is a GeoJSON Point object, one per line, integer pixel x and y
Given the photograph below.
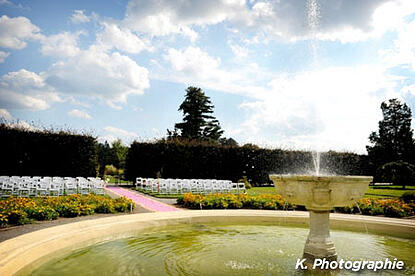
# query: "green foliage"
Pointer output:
{"type": "Point", "coordinates": [398, 173]}
{"type": "Point", "coordinates": [197, 121]}
{"type": "Point", "coordinates": [202, 160]}
{"type": "Point", "coordinates": [394, 139]}
{"type": "Point", "coordinates": [46, 153]}
{"type": "Point", "coordinates": [366, 206]}
{"type": "Point", "coordinates": [110, 170]}
{"type": "Point", "coordinates": [244, 179]}
{"type": "Point", "coordinates": [24, 210]}
{"type": "Point", "coordinates": [113, 154]}
{"type": "Point", "coordinates": [408, 197]}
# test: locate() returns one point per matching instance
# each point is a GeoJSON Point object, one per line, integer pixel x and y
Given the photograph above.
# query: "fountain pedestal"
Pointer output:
{"type": "Point", "coordinates": [319, 244]}
{"type": "Point", "coordinates": [320, 194]}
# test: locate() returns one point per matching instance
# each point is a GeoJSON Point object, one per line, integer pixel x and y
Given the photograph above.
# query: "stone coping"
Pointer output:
{"type": "Point", "coordinates": [24, 253]}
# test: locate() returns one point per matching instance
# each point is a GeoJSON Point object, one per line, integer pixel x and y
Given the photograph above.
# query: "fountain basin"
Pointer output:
{"type": "Point", "coordinates": [321, 193]}
{"type": "Point", "coordinates": [27, 252]}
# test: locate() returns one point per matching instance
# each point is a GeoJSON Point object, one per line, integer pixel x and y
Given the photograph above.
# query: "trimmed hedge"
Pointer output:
{"type": "Point", "coordinates": [191, 159]}
{"type": "Point", "coordinates": [46, 153]}
{"type": "Point", "coordinates": [366, 206]}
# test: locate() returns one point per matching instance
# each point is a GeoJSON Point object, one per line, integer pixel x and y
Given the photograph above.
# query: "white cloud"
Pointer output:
{"type": "Point", "coordinates": [113, 36]}
{"type": "Point", "coordinates": [79, 17]}
{"type": "Point", "coordinates": [172, 17]}
{"type": "Point", "coordinates": [113, 133]}
{"type": "Point", "coordinates": [63, 45]}
{"type": "Point", "coordinates": [93, 72]}
{"type": "Point", "coordinates": [3, 56]}
{"type": "Point", "coordinates": [403, 51]}
{"type": "Point", "coordinates": [79, 114]}
{"type": "Point", "coordinates": [346, 21]}
{"type": "Point", "coordinates": [14, 32]}
{"type": "Point", "coordinates": [334, 108]}
{"type": "Point", "coordinates": [193, 65]}
{"type": "Point", "coordinates": [27, 90]}
{"type": "Point", "coordinates": [5, 114]}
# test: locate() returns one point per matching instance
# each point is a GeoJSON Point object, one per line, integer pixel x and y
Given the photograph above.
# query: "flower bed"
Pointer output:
{"type": "Point", "coordinates": [367, 206]}
{"type": "Point", "coordinates": [15, 211]}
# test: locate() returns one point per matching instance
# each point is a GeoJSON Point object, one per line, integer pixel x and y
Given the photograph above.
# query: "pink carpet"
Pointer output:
{"type": "Point", "coordinates": [145, 202]}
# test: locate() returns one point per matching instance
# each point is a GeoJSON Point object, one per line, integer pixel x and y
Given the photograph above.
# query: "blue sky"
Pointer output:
{"type": "Point", "coordinates": [293, 74]}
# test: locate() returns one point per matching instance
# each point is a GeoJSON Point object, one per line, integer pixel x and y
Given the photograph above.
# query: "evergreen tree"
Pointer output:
{"type": "Point", "coordinates": [394, 140]}
{"type": "Point", "coordinates": [198, 123]}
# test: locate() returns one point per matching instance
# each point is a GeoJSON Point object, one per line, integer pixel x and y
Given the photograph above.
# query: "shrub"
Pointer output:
{"type": "Point", "coordinates": [408, 197]}
{"type": "Point", "coordinates": [14, 211]}
{"type": "Point", "coordinates": [105, 207]}
{"type": "Point", "coordinates": [41, 213]}
{"type": "Point", "coordinates": [365, 206]}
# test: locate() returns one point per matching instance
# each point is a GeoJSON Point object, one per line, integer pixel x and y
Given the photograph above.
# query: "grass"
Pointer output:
{"type": "Point", "coordinates": [116, 180]}
{"type": "Point", "coordinates": [387, 191]}
{"type": "Point", "coordinates": [372, 192]}
{"type": "Point", "coordinates": [254, 191]}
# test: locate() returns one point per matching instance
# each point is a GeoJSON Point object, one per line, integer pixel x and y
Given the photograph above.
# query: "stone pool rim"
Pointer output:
{"type": "Point", "coordinates": [29, 251]}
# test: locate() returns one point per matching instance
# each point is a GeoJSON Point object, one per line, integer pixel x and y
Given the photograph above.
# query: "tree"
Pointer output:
{"type": "Point", "coordinates": [197, 121]}
{"type": "Point", "coordinates": [399, 173]}
{"type": "Point", "coordinates": [394, 140]}
{"type": "Point", "coordinates": [120, 152]}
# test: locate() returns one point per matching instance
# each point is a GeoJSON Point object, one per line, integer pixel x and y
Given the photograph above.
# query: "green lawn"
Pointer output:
{"type": "Point", "coordinates": [374, 192]}
{"type": "Point", "coordinates": [387, 191]}
{"type": "Point", "coordinates": [262, 190]}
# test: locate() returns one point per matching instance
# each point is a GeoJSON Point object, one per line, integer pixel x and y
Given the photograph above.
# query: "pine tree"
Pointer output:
{"type": "Point", "coordinates": [394, 140]}
{"type": "Point", "coordinates": [197, 121]}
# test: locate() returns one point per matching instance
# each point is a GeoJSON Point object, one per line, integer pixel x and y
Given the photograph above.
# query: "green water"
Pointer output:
{"type": "Point", "coordinates": [217, 249]}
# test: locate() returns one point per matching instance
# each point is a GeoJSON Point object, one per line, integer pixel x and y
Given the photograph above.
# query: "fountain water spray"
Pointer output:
{"type": "Point", "coordinates": [313, 17]}
{"type": "Point", "coordinates": [316, 161]}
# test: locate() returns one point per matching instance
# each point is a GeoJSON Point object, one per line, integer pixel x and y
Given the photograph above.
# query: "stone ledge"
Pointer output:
{"type": "Point", "coordinates": [28, 251]}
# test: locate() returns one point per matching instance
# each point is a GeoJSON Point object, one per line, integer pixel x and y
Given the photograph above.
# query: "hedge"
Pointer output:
{"type": "Point", "coordinates": [46, 153]}
{"type": "Point", "coordinates": [190, 159]}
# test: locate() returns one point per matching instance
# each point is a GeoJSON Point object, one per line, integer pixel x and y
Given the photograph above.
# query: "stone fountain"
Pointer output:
{"type": "Point", "coordinates": [320, 194]}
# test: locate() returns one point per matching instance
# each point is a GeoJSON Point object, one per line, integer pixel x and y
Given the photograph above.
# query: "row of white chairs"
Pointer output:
{"type": "Point", "coordinates": [25, 186]}
{"type": "Point", "coordinates": [182, 186]}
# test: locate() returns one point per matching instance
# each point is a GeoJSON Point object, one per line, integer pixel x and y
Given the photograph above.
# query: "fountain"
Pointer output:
{"type": "Point", "coordinates": [320, 194]}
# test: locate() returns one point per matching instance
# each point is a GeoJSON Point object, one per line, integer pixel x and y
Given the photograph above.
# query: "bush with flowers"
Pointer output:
{"type": "Point", "coordinates": [15, 211]}
{"type": "Point", "coordinates": [366, 206]}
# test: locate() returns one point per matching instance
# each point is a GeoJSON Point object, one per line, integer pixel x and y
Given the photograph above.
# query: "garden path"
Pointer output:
{"type": "Point", "coordinates": [143, 201]}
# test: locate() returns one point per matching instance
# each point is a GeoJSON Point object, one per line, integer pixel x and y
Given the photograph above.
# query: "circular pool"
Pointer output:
{"type": "Point", "coordinates": [222, 249]}
{"type": "Point", "coordinates": [215, 242]}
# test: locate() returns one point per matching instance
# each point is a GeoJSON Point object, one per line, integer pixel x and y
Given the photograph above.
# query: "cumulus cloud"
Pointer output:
{"type": "Point", "coordinates": [79, 16]}
{"type": "Point", "coordinates": [93, 72]}
{"type": "Point", "coordinates": [15, 31]}
{"type": "Point", "coordinates": [193, 65]}
{"type": "Point", "coordinates": [26, 90]}
{"type": "Point", "coordinates": [62, 45]}
{"type": "Point", "coordinates": [79, 114]}
{"type": "Point", "coordinates": [114, 133]}
{"type": "Point", "coordinates": [5, 114]}
{"type": "Point", "coordinates": [3, 56]}
{"type": "Point", "coordinates": [346, 21]}
{"type": "Point", "coordinates": [319, 109]}
{"type": "Point", "coordinates": [113, 36]}
{"type": "Point", "coordinates": [172, 17]}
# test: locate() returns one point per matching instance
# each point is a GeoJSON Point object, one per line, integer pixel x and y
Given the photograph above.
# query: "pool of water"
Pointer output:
{"type": "Point", "coordinates": [220, 249]}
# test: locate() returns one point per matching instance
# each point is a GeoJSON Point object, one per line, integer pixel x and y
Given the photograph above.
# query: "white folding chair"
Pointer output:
{"type": "Point", "coordinates": [186, 186]}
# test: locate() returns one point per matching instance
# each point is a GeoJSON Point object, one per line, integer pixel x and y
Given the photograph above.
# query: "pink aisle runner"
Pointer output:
{"type": "Point", "coordinates": [145, 202]}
